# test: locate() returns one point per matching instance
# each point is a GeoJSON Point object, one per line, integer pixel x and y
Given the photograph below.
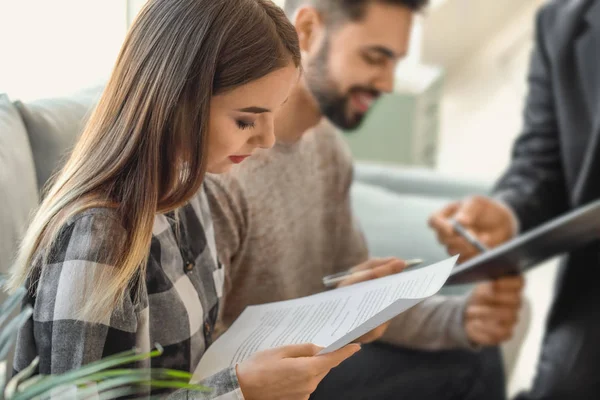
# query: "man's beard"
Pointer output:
{"type": "Point", "coordinates": [333, 105]}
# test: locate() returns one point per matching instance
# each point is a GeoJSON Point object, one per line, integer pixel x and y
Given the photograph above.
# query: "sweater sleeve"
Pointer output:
{"type": "Point", "coordinates": [350, 244]}
{"type": "Point", "coordinates": [436, 323]}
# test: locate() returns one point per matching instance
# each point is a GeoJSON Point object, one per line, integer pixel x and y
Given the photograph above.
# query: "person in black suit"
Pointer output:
{"type": "Point", "coordinates": [555, 168]}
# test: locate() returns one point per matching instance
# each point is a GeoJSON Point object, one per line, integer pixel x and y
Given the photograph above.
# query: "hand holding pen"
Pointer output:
{"type": "Point", "coordinates": [462, 231]}
{"type": "Point", "coordinates": [481, 218]}
{"type": "Point", "coordinates": [371, 269]}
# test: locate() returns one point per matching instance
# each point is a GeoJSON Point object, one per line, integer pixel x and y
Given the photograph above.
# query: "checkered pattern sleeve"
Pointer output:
{"type": "Point", "coordinates": [84, 255]}
{"type": "Point", "coordinates": [56, 332]}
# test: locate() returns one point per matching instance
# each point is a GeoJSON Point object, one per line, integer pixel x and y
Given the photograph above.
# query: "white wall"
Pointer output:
{"type": "Point", "coordinates": [133, 6]}
{"type": "Point", "coordinates": [454, 29]}
{"type": "Point", "coordinates": [483, 101]}
{"type": "Point", "coordinates": [51, 48]}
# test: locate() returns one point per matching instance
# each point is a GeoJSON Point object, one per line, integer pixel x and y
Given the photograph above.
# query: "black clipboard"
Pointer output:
{"type": "Point", "coordinates": [561, 235]}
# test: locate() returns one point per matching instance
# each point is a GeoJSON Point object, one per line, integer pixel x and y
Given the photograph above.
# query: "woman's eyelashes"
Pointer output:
{"type": "Point", "coordinates": [245, 124]}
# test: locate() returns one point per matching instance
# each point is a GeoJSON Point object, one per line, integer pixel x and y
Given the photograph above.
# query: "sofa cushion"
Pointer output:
{"type": "Point", "coordinates": [53, 126]}
{"type": "Point", "coordinates": [396, 225]}
{"type": "Point", "coordinates": [18, 186]}
{"type": "Point", "coordinates": [419, 181]}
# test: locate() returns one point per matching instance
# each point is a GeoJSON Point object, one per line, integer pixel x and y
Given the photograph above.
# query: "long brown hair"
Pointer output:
{"type": "Point", "coordinates": [144, 149]}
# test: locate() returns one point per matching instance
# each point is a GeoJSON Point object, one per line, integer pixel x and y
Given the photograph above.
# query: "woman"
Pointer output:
{"type": "Point", "coordinates": [121, 252]}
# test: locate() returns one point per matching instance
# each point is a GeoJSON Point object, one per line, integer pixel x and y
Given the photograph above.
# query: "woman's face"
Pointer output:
{"type": "Point", "coordinates": [241, 120]}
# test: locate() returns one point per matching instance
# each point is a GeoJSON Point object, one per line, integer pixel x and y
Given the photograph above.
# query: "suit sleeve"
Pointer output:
{"type": "Point", "coordinates": [534, 184]}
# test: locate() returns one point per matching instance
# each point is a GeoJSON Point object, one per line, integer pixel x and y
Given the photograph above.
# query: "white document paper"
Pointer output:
{"type": "Point", "coordinates": [331, 319]}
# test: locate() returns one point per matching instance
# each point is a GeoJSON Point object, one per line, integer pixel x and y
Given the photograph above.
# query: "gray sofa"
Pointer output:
{"type": "Point", "coordinates": [391, 203]}
{"type": "Point", "coordinates": [33, 139]}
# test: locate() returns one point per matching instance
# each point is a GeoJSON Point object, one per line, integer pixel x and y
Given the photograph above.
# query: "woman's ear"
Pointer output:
{"type": "Point", "coordinates": [309, 26]}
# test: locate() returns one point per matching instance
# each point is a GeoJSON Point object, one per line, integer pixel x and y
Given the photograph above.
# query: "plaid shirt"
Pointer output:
{"type": "Point", "coordinates": [178, 309]}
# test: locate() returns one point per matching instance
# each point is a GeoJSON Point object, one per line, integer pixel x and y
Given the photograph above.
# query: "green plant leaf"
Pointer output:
{"type": "Point", "coordinates": [136, 382]}
{"type": "Point", "coordinates": [138, 379]}
{"type": "Point", "coordinates": [131, 382]}
{"type": "Point", "coordinates": [13, 385]}
{"type": "Point", "coordinates": [116, 393]}
{"type": "Point", "coordinates": [9, 332]}
{"type": "Point", "coordinates": [107, 395]}
{"type": "Point", "coordinates": [178, 385]}
{"type": "Point", "coordinates": [114, 373]}
{"type": "Point", "coordinates": [89, 369]}
{"type": "Point", "coordinates": [30, 382]}
{"type": "Point", "coordinates": [11, 304]}
{"type": "Point", "coordinates": [147, 377]}
{"type": "Point", "coordinates": [177, 374]}
{"type": "Point", "coordinates": [2, 376]}
{"type": "Point", "coordinates": [155, 372]}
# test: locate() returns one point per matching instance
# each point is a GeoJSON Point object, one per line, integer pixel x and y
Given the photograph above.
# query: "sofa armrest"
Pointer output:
{"type": "Point", "coordinates": [418, 181]}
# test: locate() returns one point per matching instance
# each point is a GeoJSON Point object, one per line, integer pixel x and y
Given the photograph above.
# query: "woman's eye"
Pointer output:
{"type": "Point", "coordinates": [244, 124]}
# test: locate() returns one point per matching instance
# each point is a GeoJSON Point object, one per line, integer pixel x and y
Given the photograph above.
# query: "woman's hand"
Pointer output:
{"type": "Point", "coordinates": [288, 372]}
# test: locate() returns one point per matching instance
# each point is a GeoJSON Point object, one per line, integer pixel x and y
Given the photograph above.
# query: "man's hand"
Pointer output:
{"type": "Point", "coordinates": [489, 221]}
{"type": "Point", "coordinates": [373, 269]}
{"type": "Point", "coordinates": [493, 311]}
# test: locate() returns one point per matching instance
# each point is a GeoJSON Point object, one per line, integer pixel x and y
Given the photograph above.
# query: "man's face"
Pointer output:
{"type": "Point", "coordinates": [354, 63]}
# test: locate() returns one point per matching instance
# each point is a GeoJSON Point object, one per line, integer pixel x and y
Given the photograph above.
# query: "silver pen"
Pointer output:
{"type": "Point", "coordinates": [458, 228]}
{"type": "Point", "coordinates": [332, 280]}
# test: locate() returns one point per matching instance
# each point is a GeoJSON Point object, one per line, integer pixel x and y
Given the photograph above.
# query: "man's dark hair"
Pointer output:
{"type": "Point", "coordinates": [344, 10]}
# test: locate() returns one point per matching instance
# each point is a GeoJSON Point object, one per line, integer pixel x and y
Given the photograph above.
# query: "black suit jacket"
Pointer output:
{"type": "Point", "coordinates": [555, 168]}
